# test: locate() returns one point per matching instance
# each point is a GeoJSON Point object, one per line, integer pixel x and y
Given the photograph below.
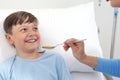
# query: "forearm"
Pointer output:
{"type": "Point", "coordinates": [107, 66]}
{"type": "Point", "coordinates": [111, 67]}
{"type": "Point", "coordinates": [89, 60]}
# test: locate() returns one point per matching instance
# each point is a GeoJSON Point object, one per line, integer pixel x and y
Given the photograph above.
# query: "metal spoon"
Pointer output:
{"type": "Point", "coordinates": [52, 47]}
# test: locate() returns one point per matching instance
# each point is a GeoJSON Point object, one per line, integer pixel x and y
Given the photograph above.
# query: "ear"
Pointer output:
{"type": "Point", "coordinates": [9, 38]}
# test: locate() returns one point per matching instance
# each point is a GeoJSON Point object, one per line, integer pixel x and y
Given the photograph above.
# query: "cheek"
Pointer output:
{"type": "Point", "coordinates": [19, 38]}
{"type": "Point", "coordinates": [38, 34]}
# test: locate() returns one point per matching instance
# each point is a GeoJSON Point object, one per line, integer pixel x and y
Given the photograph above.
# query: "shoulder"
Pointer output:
{"type": "Point", "coordinates": [7, 63]}
{"type": "Point", "coordinates": [53, 54]}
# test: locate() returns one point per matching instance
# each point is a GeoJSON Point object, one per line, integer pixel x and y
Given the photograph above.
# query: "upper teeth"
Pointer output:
{"type": "Point", "coordinates": [31, 40]}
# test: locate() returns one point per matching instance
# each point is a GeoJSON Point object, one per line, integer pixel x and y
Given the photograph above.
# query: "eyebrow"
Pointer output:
{"type": "Point", "coordinates": [21, 27]}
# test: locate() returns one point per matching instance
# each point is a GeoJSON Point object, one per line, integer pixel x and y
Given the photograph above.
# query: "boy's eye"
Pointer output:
{"type": "Point", "coordinates": [23, 29]}
{"type": "Point", "coordinates": [35, 28]}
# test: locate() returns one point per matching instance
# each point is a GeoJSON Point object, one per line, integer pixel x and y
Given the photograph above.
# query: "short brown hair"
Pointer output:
{"type": "Point", "coordinates": [18, 17]}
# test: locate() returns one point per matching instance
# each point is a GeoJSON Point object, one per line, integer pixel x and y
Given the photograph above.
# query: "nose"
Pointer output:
{"type": "Point", "coordinates": [31, 32]}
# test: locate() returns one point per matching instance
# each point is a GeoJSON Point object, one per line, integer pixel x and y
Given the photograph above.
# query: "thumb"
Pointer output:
{"type": "Point", "coordinates": [73, 46]}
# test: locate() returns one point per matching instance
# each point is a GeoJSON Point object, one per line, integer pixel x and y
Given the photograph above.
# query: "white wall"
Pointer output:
{"type": "Point", "coordinates": [104, 20]}
{"type": "Point", "coordinates": [39, 3]}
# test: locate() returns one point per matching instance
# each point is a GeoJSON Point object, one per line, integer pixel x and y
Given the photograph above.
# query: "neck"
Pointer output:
{"type": "Point", "coordinates": [29, 55]}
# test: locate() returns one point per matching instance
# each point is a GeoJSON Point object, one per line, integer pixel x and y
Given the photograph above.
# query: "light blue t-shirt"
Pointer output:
{"type": "Point", "coordinates": [49, 66]}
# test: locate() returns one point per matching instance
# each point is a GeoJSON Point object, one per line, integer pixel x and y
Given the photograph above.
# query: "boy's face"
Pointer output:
{"type": "Point", "coordinates": [25, 37]}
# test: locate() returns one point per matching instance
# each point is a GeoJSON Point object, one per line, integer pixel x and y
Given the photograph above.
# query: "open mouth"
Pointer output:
{"type": "Point", "coordinates": [31, 40]}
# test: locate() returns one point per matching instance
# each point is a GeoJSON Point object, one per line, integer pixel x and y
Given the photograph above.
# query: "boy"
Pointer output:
{"type": "Point", "coordinates": [28, 64]}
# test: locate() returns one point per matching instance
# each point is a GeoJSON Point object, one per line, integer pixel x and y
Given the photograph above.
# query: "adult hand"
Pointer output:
{"type": "Point", "coordinates": [77, 48]}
